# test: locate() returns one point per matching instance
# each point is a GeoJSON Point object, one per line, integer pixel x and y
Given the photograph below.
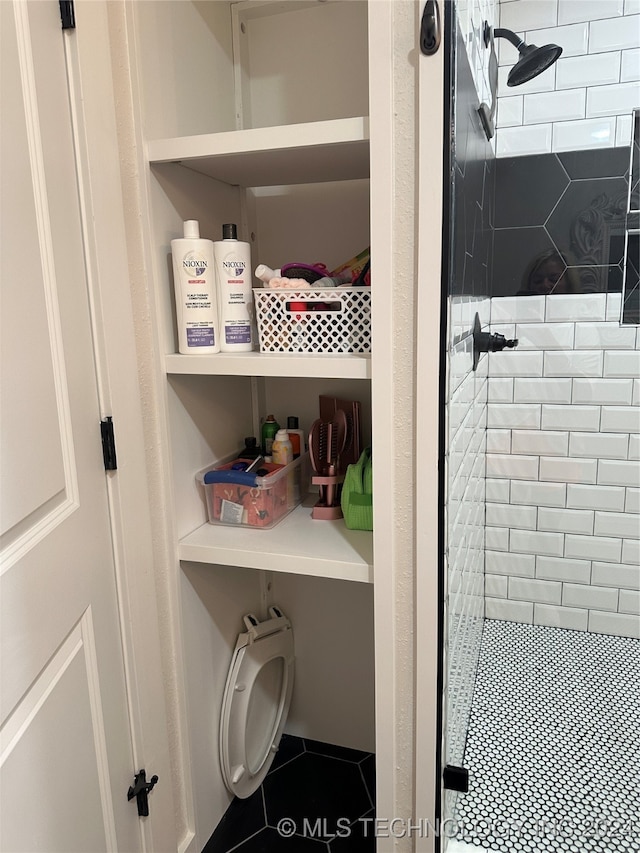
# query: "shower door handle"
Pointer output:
{"type": "Point", "coordinates": [430, 29]}
{"type": "Point", "coordinates": [456, 778]}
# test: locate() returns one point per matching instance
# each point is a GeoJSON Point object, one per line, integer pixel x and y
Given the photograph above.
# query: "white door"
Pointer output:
{"type": "Point", "coordinates": [65, 742]}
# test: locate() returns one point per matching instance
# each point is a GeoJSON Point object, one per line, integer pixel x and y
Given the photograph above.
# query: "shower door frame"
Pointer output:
{"type": "Point", "coordinates": [433, 237]}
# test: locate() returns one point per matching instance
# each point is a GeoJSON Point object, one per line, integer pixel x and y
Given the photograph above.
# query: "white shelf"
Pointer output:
{"type": "Point", "coordinates": [298, 545]}
{"type": "Point", "coordinates": [330, 366]}
{"type": "Point", "coordinates": [313, 152]}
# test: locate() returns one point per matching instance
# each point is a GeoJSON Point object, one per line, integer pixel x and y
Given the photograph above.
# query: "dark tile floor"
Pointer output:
{"type": "Point", "coordinates": [317, 798]}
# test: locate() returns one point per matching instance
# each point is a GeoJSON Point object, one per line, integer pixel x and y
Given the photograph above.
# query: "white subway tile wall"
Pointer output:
{"type": "Point", "coordinates": [585, 99]}
{"type": "Point", "coordinates": [563, 460]}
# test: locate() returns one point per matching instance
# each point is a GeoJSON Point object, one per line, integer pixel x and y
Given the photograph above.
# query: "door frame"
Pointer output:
{"type": "Point", "coordinates": [430, 432]}
{"type": "Point", "coordinates": [92, 97]}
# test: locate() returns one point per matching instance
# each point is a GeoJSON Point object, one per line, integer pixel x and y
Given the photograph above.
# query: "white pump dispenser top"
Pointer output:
{"type": "Point", "coordinates": [191, 229]}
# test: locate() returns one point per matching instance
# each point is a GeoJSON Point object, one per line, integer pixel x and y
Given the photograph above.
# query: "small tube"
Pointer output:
{"type": "Point", "coordinates": [264, 273]}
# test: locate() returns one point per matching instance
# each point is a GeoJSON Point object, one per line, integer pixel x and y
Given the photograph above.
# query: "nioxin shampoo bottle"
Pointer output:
{"type": "Point", "coordinates": [195, 292]}
{"type": "Point", "coordinates": [233, 276]}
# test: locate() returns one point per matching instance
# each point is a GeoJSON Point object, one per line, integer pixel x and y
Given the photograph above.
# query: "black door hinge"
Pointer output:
{"type": "Point", "coordinates": [108, 444]}
{"type": "Point", "coordinates": [140, 790]}
{"type": "Point", "coordinates": [68, 14]}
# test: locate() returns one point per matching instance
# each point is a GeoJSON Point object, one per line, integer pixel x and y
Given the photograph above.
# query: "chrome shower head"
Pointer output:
{"type": "Point", "coordinates": [533, 60]}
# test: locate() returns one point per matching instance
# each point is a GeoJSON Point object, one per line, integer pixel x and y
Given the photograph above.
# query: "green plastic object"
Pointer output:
{"type": "Point", "coordinates": [357, 493]}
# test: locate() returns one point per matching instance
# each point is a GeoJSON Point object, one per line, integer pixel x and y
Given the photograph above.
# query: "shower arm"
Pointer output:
{"type": "Point", "coordinates": [501, 33]}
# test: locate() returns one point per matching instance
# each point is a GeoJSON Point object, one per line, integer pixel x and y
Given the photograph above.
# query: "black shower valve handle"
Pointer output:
{"type": "Point", "coordinates": [488, 341]}
{"type": "Point", "coordinates": [497, 342]}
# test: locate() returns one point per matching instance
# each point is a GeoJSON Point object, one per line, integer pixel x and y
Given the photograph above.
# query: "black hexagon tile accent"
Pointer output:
{"type": "Point", "coordinates": [314, 795]}
{"type": "Point", "coordinates": [515, 252]}
{"type": "Point", "coordinates": [587, 225]}
{"type": "Point", "coordinates": [527, 189]}
{"type": "Point", "coordinates": [269, 840]}
{"type": "Point", "coordinates": [241, 820]}
{"type": "Point", "coordinates": [316, 786]}
{"type": "Point", "coordinates": [599, 163]}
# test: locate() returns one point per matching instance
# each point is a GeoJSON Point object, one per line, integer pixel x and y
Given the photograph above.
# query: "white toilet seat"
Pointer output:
{"type": "Point", "coordinates": [256, 701]}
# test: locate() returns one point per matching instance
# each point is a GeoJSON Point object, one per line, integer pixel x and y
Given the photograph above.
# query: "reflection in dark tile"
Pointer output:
{"type": "Point", "coordinates": [242, 819]}
{"type": "Point", "coordinates": [527, 191]}
{"type": "Point", "coordinates": [635, 163]}
{"type": "Point", "coordinates": [586, 218]}
{"type": "Point", "coordinates": [634, 201]}
{"type": "Point", "coordinates": [598, 163]}
{"type": "Point", "coordinates": [592, 279]}
{"type": "Point", "coordinates": [633, 254]}
{"type": "Point", "coordinates": [515, 250]}
{"type": "Point", "coordinates": [631, 307]}
{"type": "Point", "coordinates": [631, 297]}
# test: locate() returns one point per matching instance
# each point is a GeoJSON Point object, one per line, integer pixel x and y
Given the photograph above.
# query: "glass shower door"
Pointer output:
{"type": "Point", "coordinates": [471, 171]}
{"type": "Point", "coordinates": [542, 246]}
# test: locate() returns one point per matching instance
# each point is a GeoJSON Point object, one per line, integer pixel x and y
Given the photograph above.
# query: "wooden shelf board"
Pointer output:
{"type": "Point", "coordinates": [312, 152]}
{"type": "Point", "coordinates": [297, 545]}
{"type": "Point", "coordinates": [330, 366]}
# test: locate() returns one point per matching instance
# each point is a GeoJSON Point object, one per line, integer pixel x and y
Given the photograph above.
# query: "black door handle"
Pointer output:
{"type": "Point", "coordinates": [140, 790]}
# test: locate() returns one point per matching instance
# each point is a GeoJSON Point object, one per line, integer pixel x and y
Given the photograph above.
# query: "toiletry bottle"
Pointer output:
{"type": "Point", "coordinates": [283, 454]}
{"type": "Point", "coordinates": [233, 274]}
{"type": "Point", "coordinates": [281, 450]}
{"type": "Point", "coordinates": [250, 449]}
{"type": "Point", "coordinates": [265, 273]}
{"type": "Point", "coordinates": [195, 292]}
{"type": "Point", "coordinates": [296, 436]}
{"type": "Point", "coordinates": [269, 429]}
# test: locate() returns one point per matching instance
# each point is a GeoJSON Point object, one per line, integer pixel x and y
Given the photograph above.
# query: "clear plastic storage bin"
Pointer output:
{"type": "Point", "coordinates": [242, 500]}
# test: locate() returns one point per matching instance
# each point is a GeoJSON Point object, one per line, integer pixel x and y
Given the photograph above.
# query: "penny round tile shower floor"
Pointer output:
{"type": "Point", "coordinates": [554, 743]}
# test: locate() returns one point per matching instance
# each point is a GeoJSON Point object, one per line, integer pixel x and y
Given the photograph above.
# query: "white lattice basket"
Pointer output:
{"type": "Point", "coordinates": [320, 321]}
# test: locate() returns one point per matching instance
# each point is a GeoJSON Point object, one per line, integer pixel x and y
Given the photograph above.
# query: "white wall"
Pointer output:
{"type": "Point", "coordinates": [585, 99]}
{"type": "Point", "coordinates": [563, 469]}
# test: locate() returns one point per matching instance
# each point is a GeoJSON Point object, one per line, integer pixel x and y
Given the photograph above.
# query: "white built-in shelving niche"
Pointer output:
{"type": "Point", "coordinates": [256, 154]}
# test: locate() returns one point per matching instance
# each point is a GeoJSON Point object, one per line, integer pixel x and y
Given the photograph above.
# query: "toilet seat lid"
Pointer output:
{"type": "Point", "coordinates": [256, 702]}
